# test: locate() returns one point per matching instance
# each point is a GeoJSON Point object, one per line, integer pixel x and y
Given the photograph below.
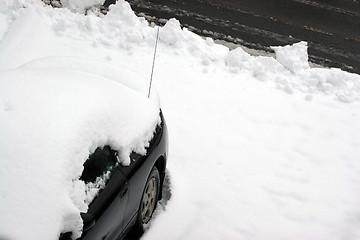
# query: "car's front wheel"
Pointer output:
{"type": "Point", "coordinates": [147, 205]}
{"type": "Point", "coordinates": [149, 199]}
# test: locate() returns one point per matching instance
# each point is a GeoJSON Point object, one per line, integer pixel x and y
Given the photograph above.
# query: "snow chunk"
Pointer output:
{"type": "Point", "coordinates": [238, 58]}
{"type": "Point", "coordinates": [93, 188]}
{"type": "Point", "coordinates": [81, 6]}
{"type": "Point", "coordinates": [171, 33]}
{"type": "Point", "coordinates": [293, 57]}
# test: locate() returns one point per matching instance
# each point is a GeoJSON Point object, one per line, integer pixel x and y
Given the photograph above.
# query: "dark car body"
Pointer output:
{"type": "Point", "coordinates": [115, 209]}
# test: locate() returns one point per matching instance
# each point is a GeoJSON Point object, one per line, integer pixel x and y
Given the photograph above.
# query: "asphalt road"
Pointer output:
{"type": "Point", "coordinates": [331, 27]}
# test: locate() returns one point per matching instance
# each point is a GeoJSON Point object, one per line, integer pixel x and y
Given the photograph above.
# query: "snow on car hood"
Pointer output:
{"type": "Point", "coordinates": [50, 121]}
{"type": "Point", "coordinates": [123, 76]}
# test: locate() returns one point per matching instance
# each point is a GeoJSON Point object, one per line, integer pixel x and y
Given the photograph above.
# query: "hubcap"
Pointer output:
{"type": "Point", "coordinates": [149, 200]}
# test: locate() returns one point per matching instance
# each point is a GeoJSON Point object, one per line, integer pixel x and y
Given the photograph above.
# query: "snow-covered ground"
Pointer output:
{"type": "Point", "coordinates": [260, 147]}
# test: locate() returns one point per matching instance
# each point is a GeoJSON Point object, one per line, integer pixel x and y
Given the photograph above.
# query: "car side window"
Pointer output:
{"type": "Point", "coordinates": [98, 164]}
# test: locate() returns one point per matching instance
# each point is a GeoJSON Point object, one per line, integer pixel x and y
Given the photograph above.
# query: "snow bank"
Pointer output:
{"type": "Point", "coordinates": [120, 29]}
{"type": "Point", "coordinates": [289, 71]}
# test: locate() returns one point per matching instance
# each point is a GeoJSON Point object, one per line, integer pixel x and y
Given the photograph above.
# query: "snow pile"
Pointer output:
{"type": "Point", "coordinates": [290, 72]}
{"type": "Point", "coordinates": [120, 29]}
{"type": "Point", "coordinates": [261, 147]}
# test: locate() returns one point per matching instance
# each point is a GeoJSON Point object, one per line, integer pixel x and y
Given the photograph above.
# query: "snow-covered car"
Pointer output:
{"type": "Point", "coordinates": [129, 197]}
{"type": "Point", "coordinates": [82, 155]}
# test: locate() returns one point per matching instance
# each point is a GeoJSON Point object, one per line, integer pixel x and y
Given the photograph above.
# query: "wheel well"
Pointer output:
{"type": "Point", "coordinates": [160, 165]}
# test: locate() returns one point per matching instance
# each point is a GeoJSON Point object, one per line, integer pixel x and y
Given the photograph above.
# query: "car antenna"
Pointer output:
{"type": "Point", "coordinates": [153, 64]}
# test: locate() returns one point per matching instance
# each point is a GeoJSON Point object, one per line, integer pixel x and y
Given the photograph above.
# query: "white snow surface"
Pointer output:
{"type": "Point", "coordinates": [260, 147]}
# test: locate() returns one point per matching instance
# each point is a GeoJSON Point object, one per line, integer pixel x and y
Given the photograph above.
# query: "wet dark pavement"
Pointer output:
{"type": "Point", "coordinates": [331, 27]}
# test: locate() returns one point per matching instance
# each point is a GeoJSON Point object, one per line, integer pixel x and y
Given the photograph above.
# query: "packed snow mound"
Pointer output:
{"type": "Point", "coordinates": [57, 118]}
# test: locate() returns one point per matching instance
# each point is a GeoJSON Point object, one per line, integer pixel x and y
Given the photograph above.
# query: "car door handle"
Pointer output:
{"type": "Point", "coordinates": [123, 192]}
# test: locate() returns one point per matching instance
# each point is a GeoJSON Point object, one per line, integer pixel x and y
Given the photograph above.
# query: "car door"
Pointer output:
{"type": "Point", "coordinates": [136, 180]}
{"type": "Point", "coordinates": [105, 216]}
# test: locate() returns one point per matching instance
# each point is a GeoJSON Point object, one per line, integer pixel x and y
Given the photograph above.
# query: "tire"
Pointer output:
{"type": "Point", "coordinates": [149, 199]}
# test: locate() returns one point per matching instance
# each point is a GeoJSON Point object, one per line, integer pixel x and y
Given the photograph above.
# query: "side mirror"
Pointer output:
{"type": "Point", "coordinates": [65, 236]}
{"type": "Point", "coordinates": [88, 220]}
